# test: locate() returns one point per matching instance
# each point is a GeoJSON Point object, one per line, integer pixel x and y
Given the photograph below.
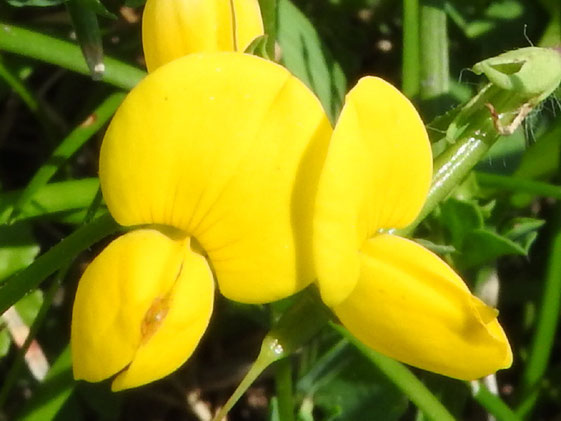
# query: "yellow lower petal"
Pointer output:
{"type": "Point", "coordinates": [408, 304]}
{"type": "Point", "coordinates": [190, 306]}
{"type": "Point", "coordinates": [129, 300]}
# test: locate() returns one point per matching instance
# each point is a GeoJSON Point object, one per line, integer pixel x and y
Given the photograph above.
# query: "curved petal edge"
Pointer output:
{"type": "Point", "coordinates": [376, 175]}
{"type": "Point", "coordinates": [140, 310]}
{"type": "Point", "coordinates": [411, 306]}
{"type": "Point", "coordinates": [175, 28]}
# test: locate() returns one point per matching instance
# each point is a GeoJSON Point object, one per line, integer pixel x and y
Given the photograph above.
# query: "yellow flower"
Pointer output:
{"type": "Point", "coordinates": [220, 153]}
{"type": "Point", "coordinates": [174, 28]}
{"type": "Point", "coordinates": [391, 293]}
{"type": "Point", "coordinates": [232, 164]}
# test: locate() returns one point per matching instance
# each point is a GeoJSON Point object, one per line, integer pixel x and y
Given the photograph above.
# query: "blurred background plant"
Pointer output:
{"type": "Point", "coordinates": [501, 228]}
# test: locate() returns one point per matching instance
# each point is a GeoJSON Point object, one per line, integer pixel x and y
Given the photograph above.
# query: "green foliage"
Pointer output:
{"type": "Point", "coordinates": [303, 53]}
{"type": "Point", "coordinates": [352, 389]}
{"type": "Point", "coordinates": [477, 244]}
{"type": "Point", "coordinates": [35, 3]}
{"type": "Point", "coordinates": [502, 220]}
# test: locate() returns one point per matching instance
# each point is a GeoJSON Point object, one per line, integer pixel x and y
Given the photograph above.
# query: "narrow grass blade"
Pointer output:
{"type": "Point", "coordinates": [65, 54]}
{"type": "Point", "coordinates": [85, 23]}
{"type": "Point", "coordinates": [548, 322]}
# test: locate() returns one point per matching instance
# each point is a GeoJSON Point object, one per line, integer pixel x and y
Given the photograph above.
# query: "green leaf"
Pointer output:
{"type": "Point", "coordinates": [359, 392]}
{"type": "Point", "coordinates": [403, 378]}
{"type": "Point", "coordinates": [523, 231]}
{"type": "Point", "coordinates": [435, 248]}
{"type": "Point", "coordinates": [543, 158]}
{"type": "Point", "coordinates": [5, 341]}
{"type": "Point", "coordinates": [306, 57]}
{"type": "Point", "coordinates": [54, 198]}
{"type": "Point", "coordinates": [520, 227]}
{"type": "Point", "coordinates": [460, 218]}
{"type": "Point", "coordinates": [258, 47]}
{"type": "Point", "coordinates": [18, 248]}
{"type": "Point", "coordinates": [35, 3]}
{"type": "Point", "coordinates": [28, 307]}
{"type": "Point", "coordinates": [484, 246]}
{"type": "Point", "coordinates": [475, 26]}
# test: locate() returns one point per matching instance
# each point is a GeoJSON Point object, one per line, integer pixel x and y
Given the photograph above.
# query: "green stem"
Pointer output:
{"type": "Point", "coordinates": [435, 74]}
{"type": "Point", "coordinates": [410, 70]}
{"type": "Point", "coordinates": [284, 389]}
{"type": "Point", "coordinates": [493, 404]}
{"type": "Point", "coordinates": [65, 54]}
{"type": "Point", "coordinates": [301, 322]}
{"type": "Point", "coordinates": [31, 277]}
{"type": "Point", "coordinates": [403, 378]}
{"type": "Point", "coordinates": [477, 136]}
{"type": "Point", "coordinates": [270, 352]}
{"type": "Point", "coordinates": [548, 321]}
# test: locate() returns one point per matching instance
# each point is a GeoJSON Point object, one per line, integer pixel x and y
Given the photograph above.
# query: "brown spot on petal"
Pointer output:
{"type": "Point", "coordinates": [154, 318]}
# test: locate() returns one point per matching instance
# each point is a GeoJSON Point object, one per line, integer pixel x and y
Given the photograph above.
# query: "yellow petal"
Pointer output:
{"type": "Point", "coordinates": [377, 174]}
{"type": "Point", "coordinates": [141, 306]}
{"type": "Point", "coordinates": [248, 22]}
{"type": "Point", "coordinates": [174, 28]}
{"type": "Point", "coordinates": [226, 147]}
{"type": "Point", "coordinates": [411, 306]}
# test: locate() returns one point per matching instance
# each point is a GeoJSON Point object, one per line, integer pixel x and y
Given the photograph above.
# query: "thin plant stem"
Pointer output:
{"type": "Point", "coordinates": [493, 404]}
{"type": "Point", "coordinates": [266, 357]}
{"type": "Point", "coordinates": [435, 73]}
{"type": "Point", "coordinates": [548, 321]}
{"type": "Point", "coordinates": [284, 389]}
{"type": "Point", "coordinates": [410, 69]}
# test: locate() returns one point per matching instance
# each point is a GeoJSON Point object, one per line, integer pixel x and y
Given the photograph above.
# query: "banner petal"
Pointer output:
{"type": "Point", "coordinates": [228, 148]}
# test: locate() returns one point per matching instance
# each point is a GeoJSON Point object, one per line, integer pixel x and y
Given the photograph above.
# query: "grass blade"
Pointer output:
{"type": "Point", "coordinates": [65, 54]}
